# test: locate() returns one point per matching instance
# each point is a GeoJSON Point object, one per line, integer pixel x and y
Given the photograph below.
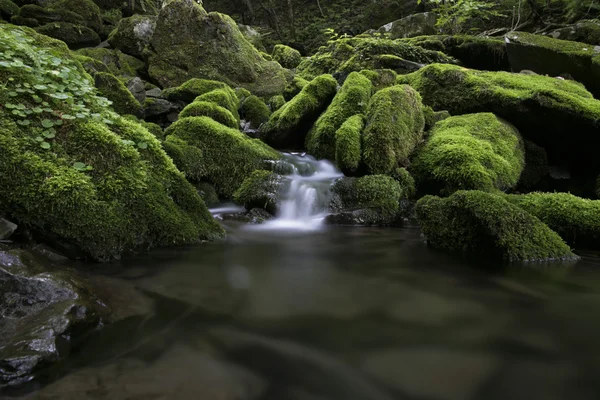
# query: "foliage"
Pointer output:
{"type": "Point", "coordinates": [454, 14]}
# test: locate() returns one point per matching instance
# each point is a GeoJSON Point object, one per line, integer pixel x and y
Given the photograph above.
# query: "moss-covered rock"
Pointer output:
{"type": "Point", "coordinates": [433, 117]}
{"type": "Point", "coordinates": [352, 98]}
{"type": "Point", "coordinates": [380, 78]}
{"type": "Point", "coordinates": [117, 62]}
{"type": "Point", "coordinates": [485, 224]}
{"type": "Point", "coordinates": [113, 89]}
{"type": "Point", "coordinates": [208, 193]}
{"type": "Point", "coordinates": [133, 34]}
{"type": "Point", "coordinates": [348, 149]}
{"type": "Point", "coordinates": [414, 25]}
{"type": "Point", "coordinates": [470, 152]}
{"type": "Point", "coordinates": [87, 9]}
{"type": "Point", "coordinates": [78, 172]}
{"type": "Point", "coordinates": [191, 89]}
{"type": "Point", "coordinates": [276, 102]}
{"type": "Point", "coordinates": [8, 9]}
{"type": "Point", "coordinates": [536, 166]}
{"type": "Point", "coordinates": [286, 56]}
{"type": "Point", "coordinates": [295, 87]}
{"type": "Point", "coordinates": [559, 115]}
{"type": "Point", "coordinates": [356, 54]}
{"type": "Point", "coordinates": [225, 98]}
{"type": "Point", "coordinates": [259, 190]}
{"type": "Point", "coordinates": [575, 219]}
{"type": "Point", "coordinates": [75, 36]}
{"type": "Point", "coordinates": [190, 43]}
{"type": "Point", "coordinates": [224, 156]}
{"type": "Point", "coordinates": [394, 127]}
{"type": "Point", "coordinates": [585, 31]}
{"type": "Point", "coordinates": [254, 111]}
{"type": "Point", "coordinates": [288, 126]}
{"type": "Point", "coordinates": [45, 15]}
{"type": "Point", "coordinates": [212, 110]}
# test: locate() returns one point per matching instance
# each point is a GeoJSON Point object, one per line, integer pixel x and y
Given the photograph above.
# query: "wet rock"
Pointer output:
{"type": "Point", "coordinates": [43, 309]}
{"type": "Point", "coordinates": [136, 87]}
{"type": "Point", "coordinates": [50, 253]}
{"type": "Point", "coordinates": [414, 25]}
{"type": "Point", "coordinates": [258, 216]}
{"type": "Point", "coordinates": [7, 228]}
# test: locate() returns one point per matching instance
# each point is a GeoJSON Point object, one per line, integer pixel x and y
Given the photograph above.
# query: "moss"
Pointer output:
{"type": "Point", "coordinates": [348, 143]}
{"type": "Point", "coordinates": [8, 9]}
{"type": "Point", "coordinates": [288, 126]}
{"type": "Point", "coordinates": [242, 93]}
{"type": "Point", "coordinates": [255, 111]}
{"type": "Point", "coordinates": [294, 87]}
{"type": "Point", "coordinates": [212, 110]}
{"type": "Point", "coordinates": [228, 156]}
{"type": "Point", "coordinates": [45, 15]}
{"type": "Point", "coordinates": [91, 65]}
{"type": "Point", "coordinates": [394, 127]}
{"type": "Point", "coordinates": [485, 224]}
{"type": "Point", "coordinates": [187, 158]}
{"type": "Point", "coordinates": [575, 219]}
{"type": "Point", "coordinates": [259, 190]}
{"type": "Point", "coordinates": [286, 56]}
{"type": "Point", "coordinates": [30, 22]}
{"type": "Point", "coordinates": [208, 193]}
{"type": "Point", "coordinates": [276, 102]}
{"type": "Point", "coordinates": [406, 181]}
{"type": "Point", "coordinates": [153, 128]}
{"type": "Point", "coordinates": [114, 90]}
{"type": "Point", "coordinates": [118, 63]}
{"type": "Point", "coordinates": [266, 56]}
{"type": "Point", "coordinates": [87, 9]}
{"type": "Point", "coordinates": [133, 34]}
{"type": "Point", "coordinates": [351, 99]}
{"type": "Point", "coordinates": [381, 78]}
{"type": "Point", "coordinates": [474, 151]}
{"type": "Point", "coordinates": [433, 117]}
{"type": "Point", "coordinates": [133, 198]}
{"type": "Point", "coordinates": [75, 36]}
{"type": "Point", "coordinates": [191, 89]}
{"type": "Point", "coordinates": [225, 98]}
{"type": "Point", "coordinates": [190, 43]}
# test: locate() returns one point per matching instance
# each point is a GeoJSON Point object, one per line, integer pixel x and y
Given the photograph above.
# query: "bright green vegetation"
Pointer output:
{"type": "Point", "coordinates": [189, 43]}
{"type": "Point", "coordinates": [259, 190]}
{"type": "Point", "coordinates": [482, 223]}
{"type": "Point", "coordinates": [133, 34]}
{"type": "Point", "coordinates": [380, 78]}
{"type": "Point", "coordinates": [351, 99]}
{"type": "Point", "coordinates": [356, 54]}
{"type": "Point", "coordinates": [406, 181]}
{"type": "Point", "coordinates": [286, 56]}
{"type": "Point", "coordinates": [255, 111]}
{"type": "Point", "coordinates": [73, 169]}
{"type": "Point", "coordinates": [288, 126]}
{"type": "Point", "coordinates": [348, 143]}
{"type": "Point", "coordinates": [191, 89]}
{"type": "Point", "coordinates": [295, 86]}
{"type": "Point", "coordinates": [215, 153]}
{"type": "Point", "coordinates": [276, 102]}
{"type": "Point", "coordinates": [114, 90]}
{"type": "Point", "coordinates": [473, 151]}
{"type": "Point", "coordinates": [212, 110]}
{"type": "Point", "coordinates": [575, 219]}
{"type": "Point", "coordinates": [117, 63]}
{"type": "Point", "coordinates": [394, 127]}
{"type": "Point", "coordinates": [225, 98]}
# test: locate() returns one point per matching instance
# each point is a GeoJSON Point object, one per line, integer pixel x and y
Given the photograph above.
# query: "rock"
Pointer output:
{"type": "Point", "coordinates": [43, 309]}
{"type": "Point", "coordinates": [133, 34]}
{"type": "Point", "coordinates": [189, 43]}
{"type": "Point", "coordinates": [585, 31]}
{"type": "Point", "coordinates": [260, 190]}
{"type": "Point", "coordinates": [75, 36]}
{"type": "Point", "coordinates": [117, 62]}
{"type": "Point", "coordinates": [212, 110]}
{"type": "Point", "coordinates": [7, 228]}
{"type": "Point", "coordinates": [154, 107]}
{"type": "Point", "coordinates": [155, 93]}
{"type": "Point", "coordinates": [136, 87]}
{"type": "Point", "coordinates": [253, 36]}
{"type": "Point", "coordinates": [536, 166]}
{"type": "Point", "coordinates": [191, 89]}
{"type": "Point", "coordinates": [486, 224]}
{"type": "Point", "coordinates": [286, 56]}
{"type": "Point", "coordinates": [208, 194]}
{"type": "Point", "coordinates": [287, 128]}
{"type": "Point", "coordinates": [254, 111]}
{"type": "Point", "coordinates": [50, 253]}
{"type": "Point", "coordinates": [114, 90]}
{"type": "Point", "coordinates": [45, 15]}
{"type": "Point", "coordinates": [419, 24]}
{"type": "Point", "coordinates": [258, 216]}
{"type": "Point", "coordinates": [470, 152]}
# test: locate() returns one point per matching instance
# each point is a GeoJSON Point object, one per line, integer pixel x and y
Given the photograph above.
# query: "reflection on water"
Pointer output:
{"type": "Point", "coordinates": [343, 313]}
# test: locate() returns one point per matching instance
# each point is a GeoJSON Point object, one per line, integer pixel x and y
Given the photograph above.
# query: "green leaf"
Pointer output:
{"type": "Point", "coordinates": [68, 116]}
{"type": "Point", "coordinates": [24, 122]}
{"type": "Point", "coordinates": [45, 145]}
{"type": "Point", "coordinates": [143, 145]}
{"type": "Point", "coordinates": [39, 139]}
{"type": "Point", "coordinates": [41, 87]}
{"type": "Point", "coordinates": [46, 123]}
{"type": "Point", "coordinates": [49, 134]}
{"type": "Point", "coordinates": [58, 122]}
{"type": "Point", "coordinates": [79, 166]}
{"type": "Point", "coordinates": [13, 94]}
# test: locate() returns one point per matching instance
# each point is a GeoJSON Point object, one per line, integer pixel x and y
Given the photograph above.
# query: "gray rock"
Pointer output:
{"type": "Point", "coordinates": [7, 228]}
{"type": "Point", "coordinates": [50, 253]}
{"type": "Point", "coordinates": [133, 34]}
{"type": "Point", "coordinates": [157, 107]}
{"type": "Point", "coordinates": [154, 92]}
{"type": "Point", "coordinates": [136, 87]}
{"type": "Point", "coordinates": [414, 25]}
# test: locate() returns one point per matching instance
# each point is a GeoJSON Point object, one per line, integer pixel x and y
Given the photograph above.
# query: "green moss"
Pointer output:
{"type": "Point", "coordinates": [394, 127]}
{"type": "Point", "coordinates": [191, 89]}
{"type": "Point", "coordinates": [294, 87]}
{"type": "Point", "coordinates": [153, 128]}
{"type": "Point", "coordinates": [133, 34]}
{"type": "Point", "coordinates": [266, 56]}
{"type": "Point", "coordinates": [276, 102]}
{"type": "Point", "coordinates": [87, 9]}
{"type": "Point", "coordinates": [75, 36]}
{"type": "Point", "coordinates": [228, 156]}
{"type": "Point", "coordinates": [242, 93]}
{"type": "Point", "coordinates": [212, 110]}
{"type": "Point", "coordinates": [286, 56]}
{"type": "Point", "coordinates": [474, 151]}
{"type": "Point", "coordinates": [208, 193]}
{"type": "Point", "coordinates": [91, 65]}
{"type": "Point", "coordinates": [575, 219]}
{"type": "Point", "coordinates": [348, 143]}
{"type": "Point", "coordinates": [45, 15]}
{"type": "Point", "coordinates": [114, 90]}
{"type": "Point", "coordinates": [406, 181]}
{"type": "Point", "coordinates": [288, 126]}
{"type": "Point", "coordinates": [259, 190]}
{"type": "Point", "coordinates": [381, 78]}
{"type": "Point", "coordinates": [351, 99]}
{"type": "Point", "coordinates": [18, 20]}
{"type": "Point", "coordinates": [255, 111]}
{"type": "Point", "coordinates": [482, 223]}
{"type": "Point", "coordinates": [117, 63]}
{"type": "Point", "coordinates": [225, 98]}
{"type": "Point", "coordinates": [8, 9]}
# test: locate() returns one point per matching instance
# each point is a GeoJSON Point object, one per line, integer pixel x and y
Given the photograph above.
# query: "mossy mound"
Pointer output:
{"type": "Point", "coordinates": [470, 152]}
{"type": "Point", "coordinates": [208, 193]}
{"type": "Point", "coordinates": [75, 36]}
{"type": "Point", "coordinates": [113, 89]}
{"type": "Point", "coordinates": [191, 89]}
{"type": "Point", "coordinates": [212, 110]}
{"type": "Point", "coordinates": [394, 127]}
{"type": "Point", "coordinates": [288, 126]}
{"type": "Point", "coordinates": [254, 111]}
{"type": "Point", "coordinates": [575, 219]}
{"type": "Point", "coordinates": [352, 98]}
{"type": "Point", "coordinates": [356, 54]}
{"type": "Point", "coordinates": [44, 15]}
{"type": "Point", "coordinates": [74, 170]}
{"type": "Point", "coordinates": [8, 9]}
{"type": "Point", "coordinates": [259, 190]}
{"type": "Point", "coordinates": [117, 63]}
{"type": "Point", "coordinates": [215, 153]}
{"type": "Point", "coordinates": [559, 115]}
{"type": "Point", "coordinates": [348, 148]}
{"type": "Point", "coordinates": [276, 102]}
{"type": "Point", "coordinates": [485, 224]}
{"type": "Point", "coordinates": [286, 56]}
{"type": "Point", "coordinates": [225, 98]}
{"type": "Point", "coordinates": [133, 34]}
{"type": "Point", "coordinates": [381, 78]}
{"type": "Point", "coordinates": [190, 43]}
{"type": "Point", "coordinates": [295, 86]}
{"type": "Point", "coordinates": [87, 9]}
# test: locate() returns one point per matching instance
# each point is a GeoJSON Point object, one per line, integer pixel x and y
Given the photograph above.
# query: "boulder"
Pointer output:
{"type": "Point", "coordinates": [259, 190]}
{"type": "Point", "coordinates": [136, 87]}
{"type": "Point", "coordinates": [75, 36]}
{"type": "Point", "coordinates": [209, 109]}
{"type": "Point", "coordinates": [154, 107]}
{"type": "Point", "coordinates": [189, 43]}
{"type": "Point", "coordinates": [254, 111]}
{"type": "Point", "coordinates": [114, 90]}
{"type": "Point", "coordinates": [45, 15]}
{"type": "Point", "coordinates": [485, 224]}
{"type": "Point", "coordinates": [7, 228]}
{"type": "Point", "coordinates": [286, 56]}
{"type": "Point", "coordinates": [348, 143]}
{"type": "Point", "coordinates": [133, 34]}
{"type": "Point", "coordinates": [87, 9]}
{"type": "Point", "coordinates": [585, 31]}
{"type": "Point", "coordinates": [115, 61]}
{"type": "Point", "coordinates": [414, 25]}
{"type": "Point", "coordinates": [189, 90]}
{"type": "Point", "coordinates": [8, 9]}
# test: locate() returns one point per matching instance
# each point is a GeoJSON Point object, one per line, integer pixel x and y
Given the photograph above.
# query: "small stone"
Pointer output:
{"type": "Point", "coordinates": [7, 228]}
{"type": "Point", "coordinates": [158, 107]}
{"type": "Point", "coordinates": [155, 92]}
{"type": "Point", "coordinates": [136, 87]}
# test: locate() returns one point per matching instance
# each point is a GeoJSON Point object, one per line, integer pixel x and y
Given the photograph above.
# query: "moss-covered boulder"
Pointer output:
{"type": "Point", "coordinates": [585, 31]}
{"type": "Point", "coordinates": [45, 15]}
{"type": "Point", "coordinates": [208, 193]}
{"type": "Point", "coordinates": [254, 111]}
{"type": "Point", "coordinates": [133, 34]}
{"type": "Point", "coordinates": [294, 87]}
{"type": "Point", "coordinates": [355, 54]}
{"type": "Point", "coordinates": [8, 9]}
{"type": "Point", "coordinates": [75, 36]}
{"type": "Point", "coordinates": [470, 152]}
{"type": "Point", "coordinates": [260, 190]}
{"type": "Point", "coordinates": [288, 126]}
{"type": "Point", "coordinates": [189, 43]}
{"type": "Point", "coordinates": [212, 110]}
{"type": "Point", "coordinates": [394, 127]}
{"type": "Point", "coordinates": [575, 219]}
{"type": "Point", "coordinates": [548, 56]}
{"type": "Point", "coordinates": [216, 153]}
{"type": "Point", "coordinates": [113, 89]}
{"type": "Point", "coordinates": [352, 98]}
{"type": "Point", "coordinates": [76, 171]}
{"type": "Point", "coordinates": [225, 98]}
{"type": "Point", "coordinates": [414, 25]}
{"type": "Point", "coordinates": [276, 102]}
{"type": "Point", "coordinates": [485, 224]}
{"type": "Point", "coordinates": [286, 56]}
{"type": "Point", "coordinates": [117, 62]}
{"type": "Point", "coordinates": [559, 115]}
{"type": "Point", "coordinates": [189, 90]}
{"type": "Point", "coordinates": [87, 9]}
{"type": "Point", "coordinates": [348, 147]}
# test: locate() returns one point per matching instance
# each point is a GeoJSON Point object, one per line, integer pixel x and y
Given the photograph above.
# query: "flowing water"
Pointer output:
{"type": "Point", "coordinates": [340, 313]}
